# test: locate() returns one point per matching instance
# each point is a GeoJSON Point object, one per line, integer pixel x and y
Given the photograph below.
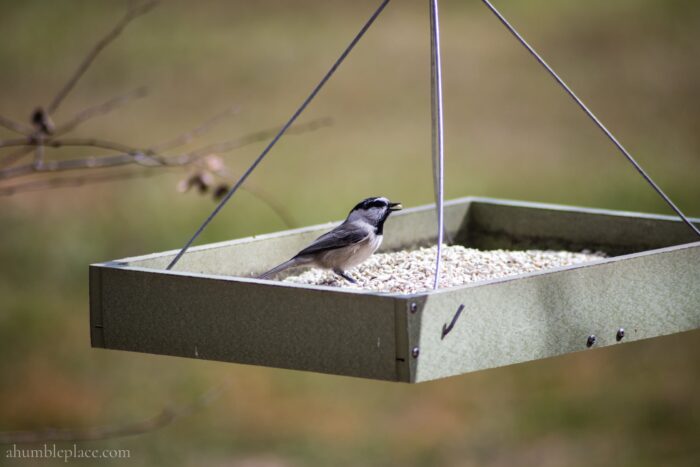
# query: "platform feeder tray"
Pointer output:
{"type": "Point", "coordinates": [210, 308]}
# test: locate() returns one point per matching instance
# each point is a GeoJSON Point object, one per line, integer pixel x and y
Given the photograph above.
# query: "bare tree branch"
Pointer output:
{"type": "Point", "coordinates": [195, 132]}
{"type": "Point", "coordinates": [81, 117]}
{"type": "Point", "coordinates": [100, 109]}
{"type": "Point", "coordinates": [75, 181]}
{"type": "Point", "coordinates": [14, 156]}
{"type": "Point", "coordinates": [166, 417]}
{"type": "Point", "coordinates": [43, 134]}
{"type": "Point", "coordinates": [39, 154]}
{"type": "Point", "coordinates": [77, 142]}
{"type": "Point", "coordinates": [17, 127]}
{"type": "Point", "coordinates": [42, 122]}
{"type": "Point", "coordinates": [142, 157]}
{"type": "Point", "coordinates": [130, 15]}
{"type": "Point", "coordinates": [72, 181]}
{"type": "Point", "coordinates": [256, 137]}
{"type": "Point", "coordinates": [9, 143]}
{"type": "Point", "coordinates": [83, 163]}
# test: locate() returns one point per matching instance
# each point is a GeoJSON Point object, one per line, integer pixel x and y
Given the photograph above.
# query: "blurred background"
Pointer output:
{"type": "Point", "coordinates": [510, 133]}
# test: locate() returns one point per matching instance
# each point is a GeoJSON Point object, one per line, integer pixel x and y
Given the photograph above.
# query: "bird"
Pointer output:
{"type": "Point", "coordinates": [349, 244]}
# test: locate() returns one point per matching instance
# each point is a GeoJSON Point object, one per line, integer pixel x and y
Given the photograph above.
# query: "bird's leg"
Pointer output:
{"type": "Point", "coordinates": [345, 276]}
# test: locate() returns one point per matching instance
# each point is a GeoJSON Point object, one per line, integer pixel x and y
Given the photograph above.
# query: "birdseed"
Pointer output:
{"type": "Point", "coordinates": [412, 271]}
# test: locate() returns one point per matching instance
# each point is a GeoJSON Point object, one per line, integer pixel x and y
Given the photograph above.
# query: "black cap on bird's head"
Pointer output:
{"type": "Point", "coordinates": [377, 202]}
{"type": "Point", "coordinates": [375, 211]}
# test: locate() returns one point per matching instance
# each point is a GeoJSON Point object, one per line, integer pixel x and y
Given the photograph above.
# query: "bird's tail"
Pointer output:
{"type": "Point", "coordinates": [294, 262]}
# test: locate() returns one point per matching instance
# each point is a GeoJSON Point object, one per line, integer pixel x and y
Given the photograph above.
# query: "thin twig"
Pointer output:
{"type": "Point", "coordinates": [187, 137]}
{"type": "Point", "coordinates": [96, 162]}
{"type": "Point", "coordinates": [166, 417]}
{"type": "Point", "coordinates": [17, 127]}
{"type": "Point", "coordinates": [262, 196]}
{"type": "Point", "coordinates": [256, 137]}
{"type": "Point", "coordinates": [130, 15]}
{"type": "Point", "coordinates": [100, 109]}
{"type": "Point", "coordinates": [73, 181]}
{"type": "Point", "coordinates": [39, 154]}
{"type": "Point", "coordinates": [9, 143]}
{"type": "Point", "coordinates": [14, 156]}
{"type": "Point", "coordinates": [74, 142]}
{"type": "Point", "coordinates": [136, 156]}
{"type": "Point", "coordinates": [78, 119]}
{"type": "Point", "coordinates": [282, 213]}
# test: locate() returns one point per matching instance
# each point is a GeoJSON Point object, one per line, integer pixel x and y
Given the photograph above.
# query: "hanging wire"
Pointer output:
{"type": "Point", "coordinates": [289, 123]}
{"type": "Point", "coordinates": [590, 114]}
{"type": "Point", "coordinates": [437, 129]}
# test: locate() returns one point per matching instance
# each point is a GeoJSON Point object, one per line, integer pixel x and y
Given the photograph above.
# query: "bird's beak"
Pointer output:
{"type": "Point", "coordinates": [395, 207]}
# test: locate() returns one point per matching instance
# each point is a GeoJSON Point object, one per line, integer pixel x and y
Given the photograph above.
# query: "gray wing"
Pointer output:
{"type": "Point", "coordinates": [344, 235]}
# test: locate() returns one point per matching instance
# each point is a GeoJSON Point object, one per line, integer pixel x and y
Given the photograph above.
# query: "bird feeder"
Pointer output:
{"type": "Point", "coordinates": [212, 308]}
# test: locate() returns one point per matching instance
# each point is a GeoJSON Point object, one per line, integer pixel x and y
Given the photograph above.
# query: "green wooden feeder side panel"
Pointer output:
{"type": "Point", "coordinates": [245, 322]}
{"type": "Point", "coordinates": [212, 312]}
{"type": "Point", "coordinates": [543, 315]}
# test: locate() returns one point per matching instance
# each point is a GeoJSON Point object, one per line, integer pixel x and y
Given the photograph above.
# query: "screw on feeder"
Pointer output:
{"type": "Point", "coordinates": [415, 351]}
{"type": "Point", "coordinates": [620, 334]}
{"type": "Point", "coordinates": [590, 341]}
{"type": "Point", "coordinates": [414, 307]}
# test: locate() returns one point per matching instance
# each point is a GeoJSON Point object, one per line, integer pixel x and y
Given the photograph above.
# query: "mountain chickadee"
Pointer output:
{"type": "Point", "coordinates": [347, 245]}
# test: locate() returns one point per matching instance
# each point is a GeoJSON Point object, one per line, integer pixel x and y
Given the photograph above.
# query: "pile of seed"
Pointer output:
{"type": "Point", "coordinates": [413, 271]}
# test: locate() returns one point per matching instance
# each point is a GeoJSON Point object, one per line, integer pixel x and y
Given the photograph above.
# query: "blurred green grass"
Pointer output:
{"type": "Point", "coordinates": [510, 133]}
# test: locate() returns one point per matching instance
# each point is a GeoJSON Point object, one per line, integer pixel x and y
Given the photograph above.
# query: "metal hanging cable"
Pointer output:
{"type": "Point", "coordinates": [289, 123]}
{"type": "Point", "coordinates": [590, 114]}
{"type": "Point", "coordinates": [437, 129]}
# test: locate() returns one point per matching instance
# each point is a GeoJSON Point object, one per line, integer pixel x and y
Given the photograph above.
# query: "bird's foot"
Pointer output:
{"type": "Point", "coordinates": [345, 276]}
